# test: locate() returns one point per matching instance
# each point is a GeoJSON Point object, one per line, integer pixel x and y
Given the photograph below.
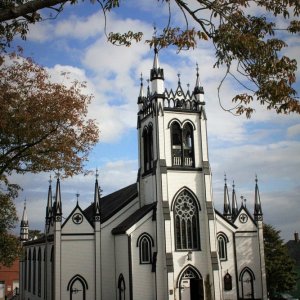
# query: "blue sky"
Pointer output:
{"type": "Point", "coordinates": [267, 145]}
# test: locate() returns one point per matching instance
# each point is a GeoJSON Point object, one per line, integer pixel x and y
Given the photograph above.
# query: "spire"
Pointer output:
{"type": "Point", "coordinates": [227, 209]}
{"type": "Point", "coordinates": [258, 215]}
{"type": "Point", "coordinates": [198, 88]}
{"type": "Point", "coordinates": [141, 95]}
{"type": "Point", "coordinates": [24, 225]}
{"type": "Point", "coordinates": [49, 203]}
{"type": "Point", "coordinates": [97, 199]}
{"type": "Point", "coordinates": [179, 82]}
{"type": "Point", "coordinates": [58, 210]}
{"type": "Point", "coordinates": [155, 60]}
{"type": "Point", "coordinates": [157, 75]}
{"type": "Point", "coordinates": [234, 202]}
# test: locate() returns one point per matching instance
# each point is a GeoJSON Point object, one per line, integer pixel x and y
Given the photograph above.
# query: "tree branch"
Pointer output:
{"type": "Point", "coordinates": [7, 14]}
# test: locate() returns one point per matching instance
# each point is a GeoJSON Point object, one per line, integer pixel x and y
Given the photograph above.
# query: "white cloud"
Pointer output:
{"type": "Point", "coordinates": [293, 131]}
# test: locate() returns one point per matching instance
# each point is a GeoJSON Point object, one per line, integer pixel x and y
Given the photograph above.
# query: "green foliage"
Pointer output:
{"type": "Point", "coordinates": [9, 244]}
{"type": "Point", "coordinates": [281, 276]}
{"type": "Point", "coordinates": [10, 249]}
{"type": "Point", "coordinates": [34, 234]}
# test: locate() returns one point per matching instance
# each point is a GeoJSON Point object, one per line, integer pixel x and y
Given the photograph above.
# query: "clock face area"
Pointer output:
{"type": "Point", "coordinates": [243, 218]}
{"type": "Point", "coordinates": [77, 218]}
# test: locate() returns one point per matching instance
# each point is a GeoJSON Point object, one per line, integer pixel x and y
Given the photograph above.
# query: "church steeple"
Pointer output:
{"type": "Point", "coordinates": [227, 208]}
{"type": "Point", "coordinates": [258, 215]}
{"type": "Point", "coordinates": [234, 202]}
{"type": "Point", "coordinates": [24, 225]}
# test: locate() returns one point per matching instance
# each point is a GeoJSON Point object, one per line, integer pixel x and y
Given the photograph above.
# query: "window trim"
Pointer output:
{"type": "Point", "coordinates": [194, 238]}
{"type": "Point", "coordinates": [145, 237]}
{"type": "Point", "coordinates": [221, 236]}
{"type": "Point", "coordinates": [182, 160]}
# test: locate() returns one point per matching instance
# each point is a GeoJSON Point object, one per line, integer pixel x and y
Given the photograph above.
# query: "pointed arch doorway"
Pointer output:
{"type": "Point", "coordinates": [247, 279]}
{"type": "Point", "coordinates": [190, 284]}
{"type": "Point", "coordinates": [77, 288]}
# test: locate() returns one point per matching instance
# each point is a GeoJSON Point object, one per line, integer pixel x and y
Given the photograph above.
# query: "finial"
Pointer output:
{"type": "Point", "coordinates": [233, 185]}
{"type": "Point", "coordinates": [225, 178]}
{"type": "Point", "coordinates": [50, 180]}
{"type": "Point", "coordinates": [141, 78]}
{"type": "Point", "coordinates": [77, 197]}
{"type": "Point", "coordinates": [256, 180]}
{"type": "Point", "coordinates": [197, 69]}
{"type": "Point", "coordinates": [188, 86]}
{"type": "Point", "coordinates": [97, 173]}
{"type": "Point", "coordinates": [178, 75]}
{"type": "Point", "coordinates": [57, 174]}
{"type": "Point", "coordinates": [25, 203]}
{"type": "Point", "coordinates": [244, 200]}
{"type": "Point", "coordinates": [154, 30]}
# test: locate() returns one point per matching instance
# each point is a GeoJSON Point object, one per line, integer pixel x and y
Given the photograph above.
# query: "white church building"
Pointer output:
{"type": "Point", "coordinates": [159, 238]}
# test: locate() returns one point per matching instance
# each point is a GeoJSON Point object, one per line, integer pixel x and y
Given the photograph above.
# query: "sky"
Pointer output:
{"type": "Point", "coordinates": [266, 146]}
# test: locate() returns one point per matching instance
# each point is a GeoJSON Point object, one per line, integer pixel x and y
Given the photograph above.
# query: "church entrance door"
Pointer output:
{"type": "Point", "coordinates": [191, 286]}
{"type": "Point", "coordinates": [77, 291]}
{"type": "Point", "coordinates": [247, 285]}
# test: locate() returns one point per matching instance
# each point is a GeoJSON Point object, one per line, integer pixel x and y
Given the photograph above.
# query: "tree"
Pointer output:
{"type": "Point", "coordinates": [43, 127]}
{"type": "Point", "coordinates": [247, 41]}
{"type": "Point", "coordinates": [281, 276]}
{"type": "Point", "coordinates": [9, 244]}
{"type": "Point", "coordinates": [34, 234]}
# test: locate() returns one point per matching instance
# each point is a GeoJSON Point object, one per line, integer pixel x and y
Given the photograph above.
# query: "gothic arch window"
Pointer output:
{"type": "Point", "coordinates": [190, 284]}
{"type": "Point", "coordinates": [222, 245]}
{"type": "Point", "coordinates": [182, 145]}
{"type": "Point", "coordinates": [29, 270]}
{"type": "Point", "coordinates": [186, 221]}
{"type": "Point", "coordinates": [145, 244]}
{"type": "Point", "coordinates": [34, 271]}
{"type": "Point", "coordinates": [77, 287]}
{"type": "Point", "coordinates": [121, 287]}
{"type": "Point", "coordinates": [39, 273]}
{"type": "Point", "coordinates": [148, 147]}
{"type": "Point", "coordinates": [247, 279]}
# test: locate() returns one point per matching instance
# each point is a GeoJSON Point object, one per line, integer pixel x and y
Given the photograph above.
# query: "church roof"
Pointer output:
{"type": "Point", "coordinates": [134, 218]}
{"type": "Point", "coordinates": [294, 250]}
{"type": "Point", "coordinates": [112, 203]}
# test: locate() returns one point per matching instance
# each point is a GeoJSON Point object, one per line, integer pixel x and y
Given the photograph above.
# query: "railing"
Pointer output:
{"type": "Point", "coordinates": [177, 161]}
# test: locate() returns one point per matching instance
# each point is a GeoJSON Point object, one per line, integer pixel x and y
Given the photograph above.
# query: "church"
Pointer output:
{"type": "Point", "coordinates": [161, 237]}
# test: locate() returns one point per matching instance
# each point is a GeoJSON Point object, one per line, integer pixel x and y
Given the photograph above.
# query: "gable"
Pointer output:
{"type": "Point", "coordinates": [244, 220]}
{"type": "Point", "coordinates": [77, 223]}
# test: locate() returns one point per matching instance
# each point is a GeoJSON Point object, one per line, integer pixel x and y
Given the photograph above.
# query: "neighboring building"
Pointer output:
{"type": "Point", "coordinates": [9, 280]}
{"type": "Point", "coordinates": [159, 238]}
{"type": "Point", "coordinates": [294, 252]}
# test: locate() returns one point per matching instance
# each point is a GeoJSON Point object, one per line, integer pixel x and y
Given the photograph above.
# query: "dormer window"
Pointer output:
{"type": "Point", "coordinates": [182, 145]}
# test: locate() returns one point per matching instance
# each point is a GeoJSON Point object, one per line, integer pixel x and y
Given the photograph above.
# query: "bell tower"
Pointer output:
{"type": "Point", "coordinates": [174, 173]}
